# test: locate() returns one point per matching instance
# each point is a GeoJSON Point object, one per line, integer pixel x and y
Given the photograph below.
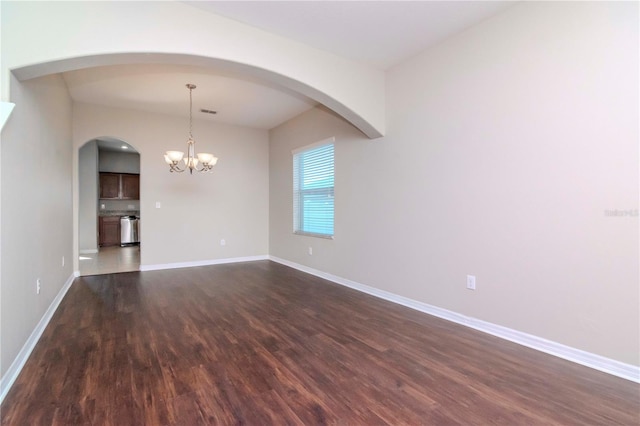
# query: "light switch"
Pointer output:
{"type": "Point", "coordinates": [471, 282]}
{"type": "Point", "coordinates": [157, 204]}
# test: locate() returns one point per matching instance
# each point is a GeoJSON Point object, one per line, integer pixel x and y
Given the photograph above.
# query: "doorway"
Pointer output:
{"type": "Point", "coordinates": [109, 201]}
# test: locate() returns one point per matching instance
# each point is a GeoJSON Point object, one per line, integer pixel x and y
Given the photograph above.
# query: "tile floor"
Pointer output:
{"type": "Point", "coordinates": [109, 260]}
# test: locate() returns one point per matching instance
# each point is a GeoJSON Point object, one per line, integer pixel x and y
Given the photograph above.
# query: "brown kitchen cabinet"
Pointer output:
{"type": "Point", "coordinates": [109, 185]}
{"type": "Point", "coordinates": [130, 187]}
{"type": "Point", "coordinates": [109, 231]}
{"type": "Point", "coordinates": [119, 186]}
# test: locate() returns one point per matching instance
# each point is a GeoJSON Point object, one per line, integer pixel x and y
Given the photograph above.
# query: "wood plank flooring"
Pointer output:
{"type": "Point", "coordinates": [259, 343]}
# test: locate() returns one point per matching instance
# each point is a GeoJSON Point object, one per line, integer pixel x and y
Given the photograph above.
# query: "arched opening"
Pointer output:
{"type": "Point", "coordinates": [367, 116]}
{"type": "Point", "coordinates": [108, 207]}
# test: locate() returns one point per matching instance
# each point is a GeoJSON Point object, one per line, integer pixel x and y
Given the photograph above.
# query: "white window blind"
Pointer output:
{"type": "Point", "coordinates": [313, 181]}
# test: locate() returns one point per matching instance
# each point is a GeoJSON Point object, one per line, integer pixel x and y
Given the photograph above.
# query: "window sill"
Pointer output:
{"type": "Point", "coordinates": [311, 234]}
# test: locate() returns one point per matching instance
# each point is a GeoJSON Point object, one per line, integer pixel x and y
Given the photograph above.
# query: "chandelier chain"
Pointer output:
{"type": "Point", "coordinates": [190, 112]}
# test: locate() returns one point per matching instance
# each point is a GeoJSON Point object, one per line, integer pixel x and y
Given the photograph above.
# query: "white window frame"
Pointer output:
{"type": "Point", "coordinates": [297, 210]}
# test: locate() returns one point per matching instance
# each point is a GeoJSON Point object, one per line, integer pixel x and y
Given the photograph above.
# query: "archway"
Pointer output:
{"type": "Point", "coordinates": [372, 127]}
{"type": "Point", "coordinates": [108, 206]}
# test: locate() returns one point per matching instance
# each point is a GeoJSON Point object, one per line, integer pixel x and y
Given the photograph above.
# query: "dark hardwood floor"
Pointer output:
{"type": "Point", "coordinates": [259, 343]}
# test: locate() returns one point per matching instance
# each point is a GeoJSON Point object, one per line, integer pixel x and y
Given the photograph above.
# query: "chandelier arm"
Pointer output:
{"type": "Point", "coordinates": [175, 168]}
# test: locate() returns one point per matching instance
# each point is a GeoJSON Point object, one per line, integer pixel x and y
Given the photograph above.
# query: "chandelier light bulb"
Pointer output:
{"type": "Point", "coordinates": [175, 156]}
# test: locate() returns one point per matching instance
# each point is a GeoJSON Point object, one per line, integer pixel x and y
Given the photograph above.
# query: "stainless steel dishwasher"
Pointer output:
{"type": "Point", "coordinates": [129, 230]}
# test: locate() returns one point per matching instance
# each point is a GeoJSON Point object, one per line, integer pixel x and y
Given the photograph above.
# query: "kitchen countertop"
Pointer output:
{"type": "Point", "coordinates": [119, 213]}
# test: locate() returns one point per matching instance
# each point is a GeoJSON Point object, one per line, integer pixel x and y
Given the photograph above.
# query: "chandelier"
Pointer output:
{"type": "Point", "coordinates": [173, 158]}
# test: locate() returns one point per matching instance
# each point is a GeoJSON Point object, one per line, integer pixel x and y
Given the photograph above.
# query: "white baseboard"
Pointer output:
{"type": "Point", "coordinates": [598, 362]}
{"type": "Point", "coordinates": [16, 366]}
{"type": "Point", "coordinates": [88, 251]}
{"type": "Point", "coordinates": [202, 263]}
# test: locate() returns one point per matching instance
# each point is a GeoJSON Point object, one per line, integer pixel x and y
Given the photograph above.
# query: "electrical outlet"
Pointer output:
{"type": "Point", "coordinates": [38, 286]}
{"type": "Point", "coordinates": [471, 282]}
{"type": "Point", "coordinates": [223, 242]}
{"type": "Point", "coordinates": [63, 261]}
{"type": "Point", "coordinates": [158, 205]}
{"type": "Point", "coordinates": [310, 251]}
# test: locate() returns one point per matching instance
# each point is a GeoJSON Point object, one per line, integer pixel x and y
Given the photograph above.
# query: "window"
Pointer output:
{"type": "Point", "coordinates": [313, 189]}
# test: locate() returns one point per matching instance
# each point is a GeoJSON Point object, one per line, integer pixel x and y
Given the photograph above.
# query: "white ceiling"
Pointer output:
{"type": "Point", "coordinates": [106, 143]}
{"type": "Point", "coordinates": [379, 33]}
{"type": "Point", "coordinates": [162, 89]}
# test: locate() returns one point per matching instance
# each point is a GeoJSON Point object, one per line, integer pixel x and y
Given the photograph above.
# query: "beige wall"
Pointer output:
{"type": "Point", "coordinates": [505, 147]}
{"type": "Point", "coordinates": [36, 207]}
{"type": "Point", "coordinates": [197, 211]}
{"type": "Point", "coordinates": [118, 162]}
{"type": "Point", "coordinates": [88, 197]}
